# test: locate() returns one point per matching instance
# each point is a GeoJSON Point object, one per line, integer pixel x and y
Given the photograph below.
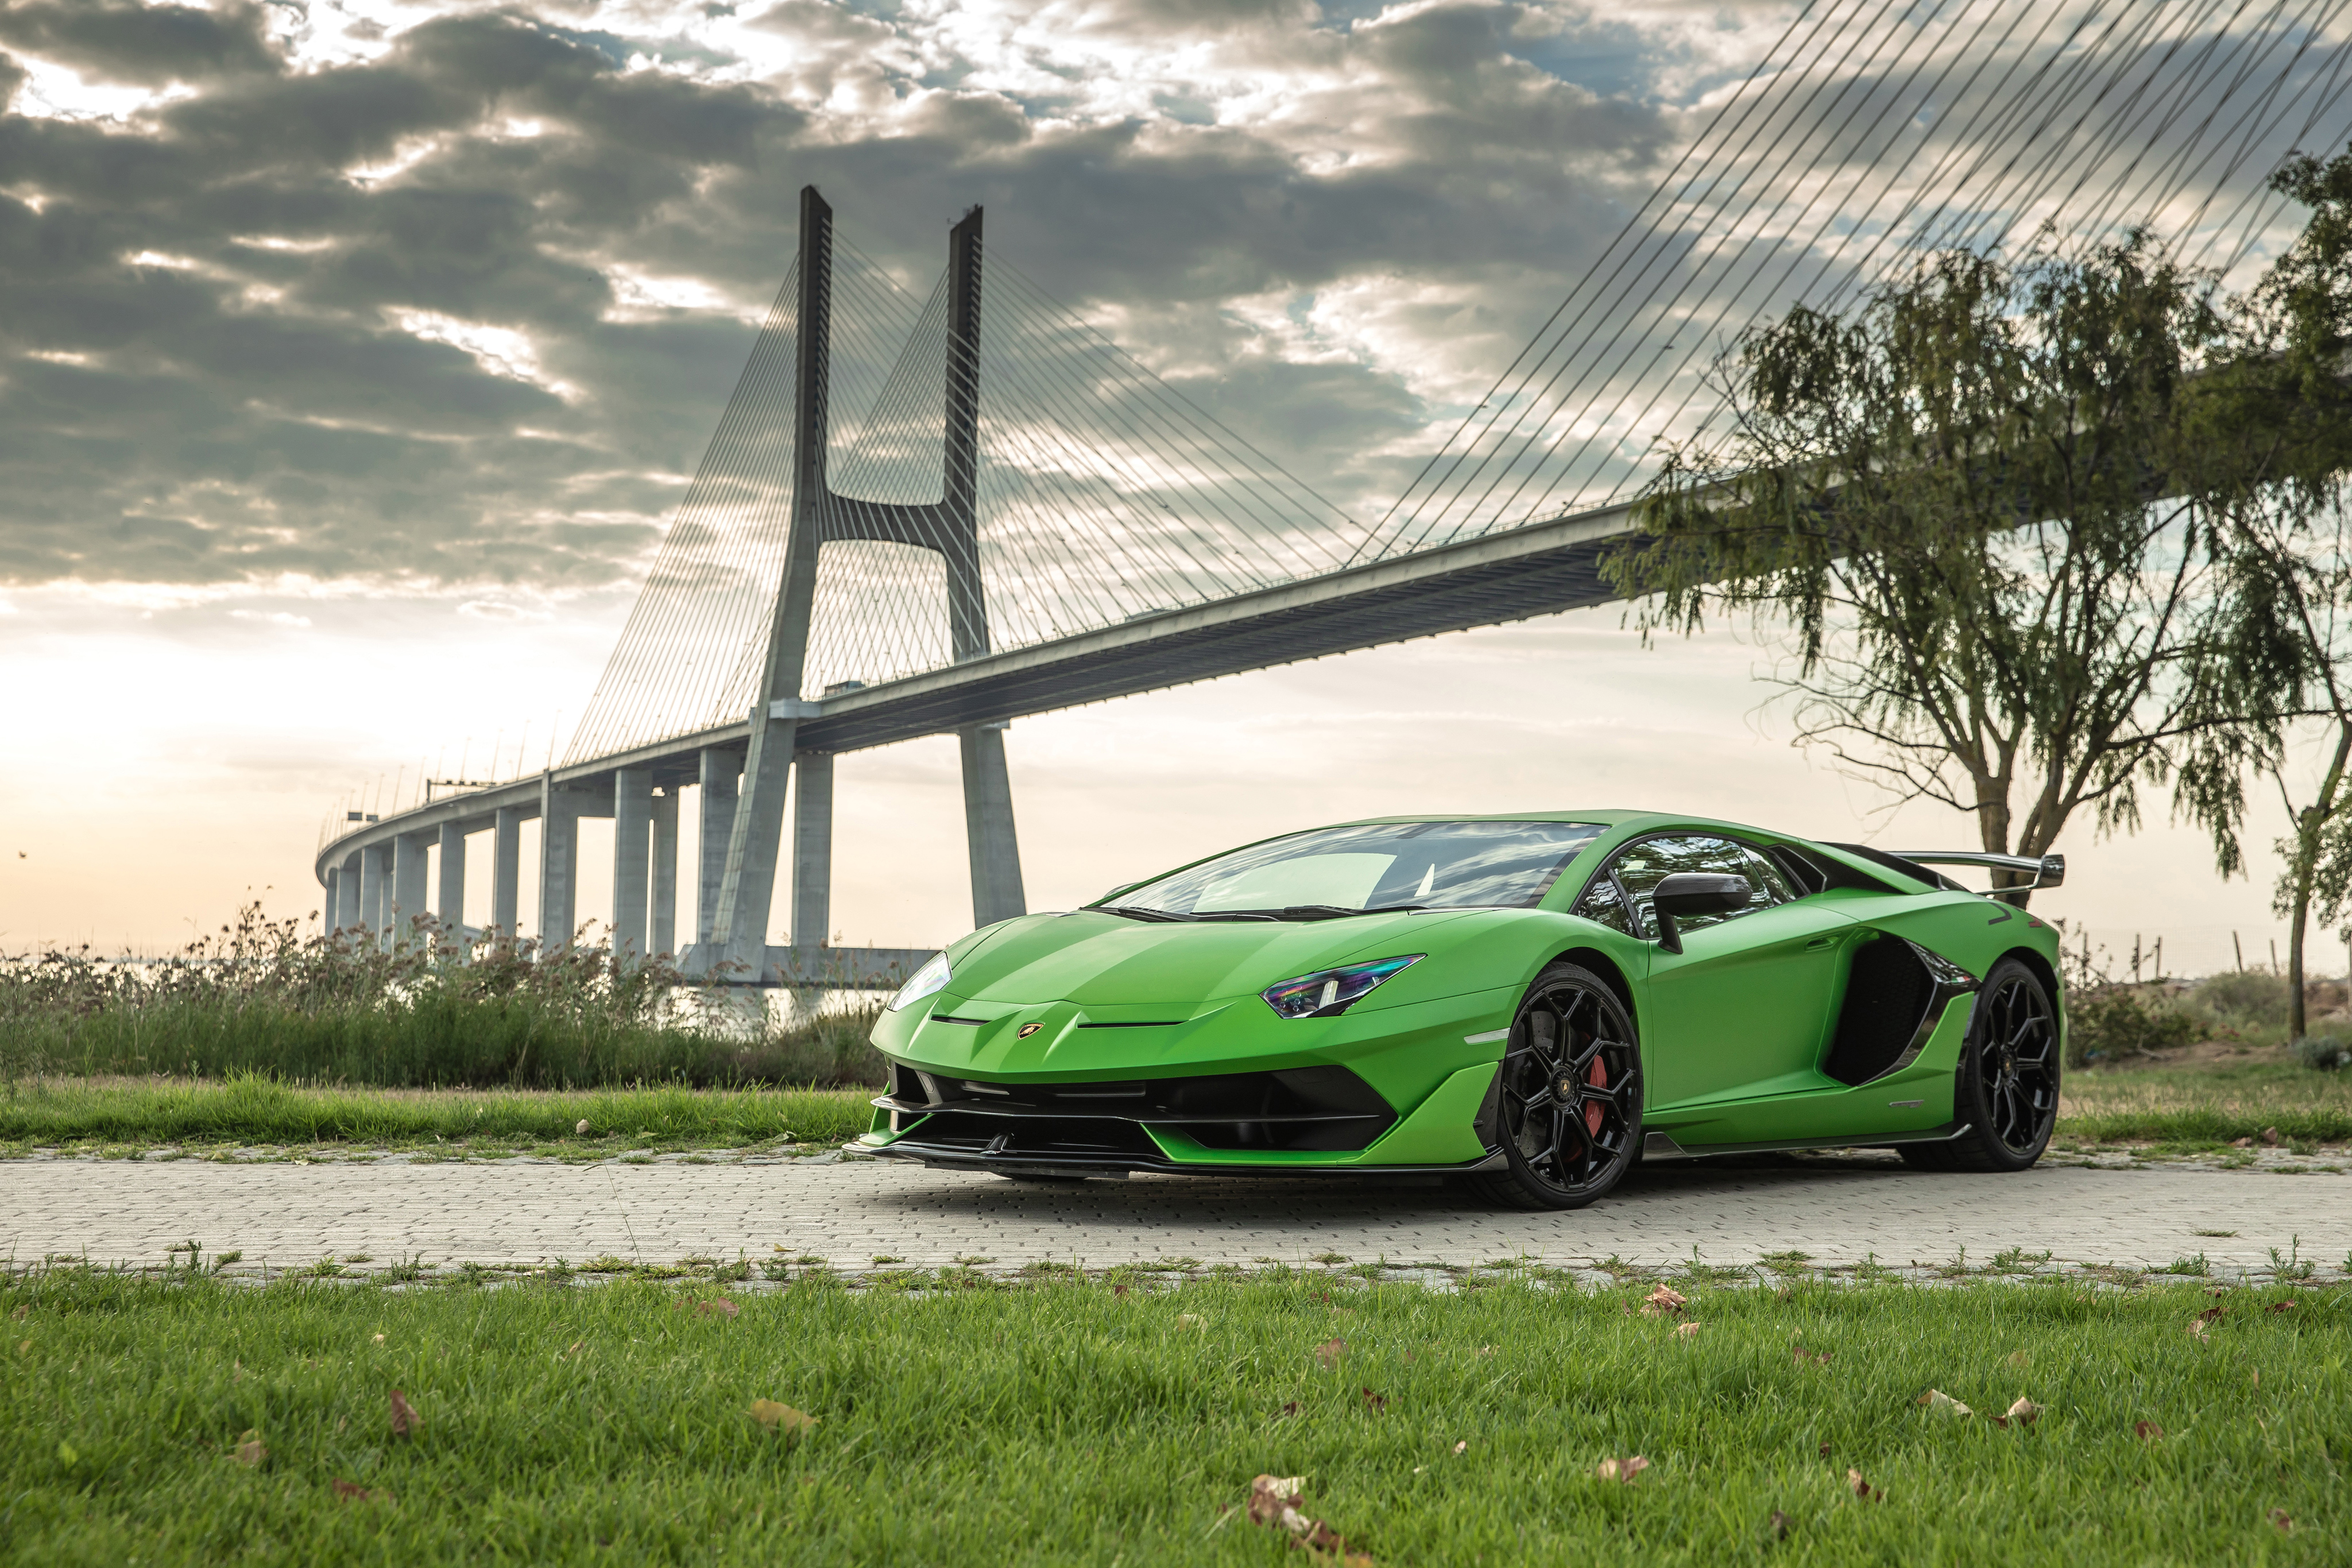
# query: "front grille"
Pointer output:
{"type": "Point", "coordinates": [1308, 1108]}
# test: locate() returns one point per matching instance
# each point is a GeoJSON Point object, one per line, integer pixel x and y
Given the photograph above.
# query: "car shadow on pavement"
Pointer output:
{"type": "Point", "coordinates": [1164, 1198]}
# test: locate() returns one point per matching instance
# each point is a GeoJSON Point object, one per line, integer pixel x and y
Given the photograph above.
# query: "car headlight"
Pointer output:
{"type": "Point", "coordinates": [1330, 992]}
{"type": "Point", "coordinates": [928, 981]}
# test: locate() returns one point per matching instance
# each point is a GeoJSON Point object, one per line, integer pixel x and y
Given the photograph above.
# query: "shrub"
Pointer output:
{"type": "Point", "coordinates": [2325, 1050]}
{"type": "Point", "coordinates": [2244, 998]}
{"type": "Point", "coordinates": [2107, 1021]}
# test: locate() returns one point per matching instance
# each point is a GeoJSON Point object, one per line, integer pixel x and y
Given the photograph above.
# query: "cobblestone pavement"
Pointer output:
{"type": "Point", "coordinates": [851, 1212]}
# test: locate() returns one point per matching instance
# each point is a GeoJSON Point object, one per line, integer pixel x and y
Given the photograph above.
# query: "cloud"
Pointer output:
{"type": "Point", "coordinates": [448, 299]}
{"type": "Point", "coordinates": [125, 41]}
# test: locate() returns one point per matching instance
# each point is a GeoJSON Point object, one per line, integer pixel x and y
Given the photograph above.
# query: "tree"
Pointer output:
{"type": "Point", "coordinates": [1984, 512]}
{"type": "Point", "coordinates": [2283, 401]}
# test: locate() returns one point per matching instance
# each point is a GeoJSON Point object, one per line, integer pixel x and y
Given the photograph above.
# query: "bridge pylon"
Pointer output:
{"type": "Point", "coordinates": [738, 906]}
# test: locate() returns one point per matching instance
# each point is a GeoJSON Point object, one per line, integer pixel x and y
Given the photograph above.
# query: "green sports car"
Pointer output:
{"type": "Point", "coordinates": [1532, 1004]}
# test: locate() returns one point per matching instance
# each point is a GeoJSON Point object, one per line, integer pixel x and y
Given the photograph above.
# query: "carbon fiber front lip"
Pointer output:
{"type": "Point", "coordinates": [1010, 1164]}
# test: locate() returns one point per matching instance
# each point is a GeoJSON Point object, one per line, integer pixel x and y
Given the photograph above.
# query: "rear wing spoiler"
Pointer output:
{"type": "Point", "coordinates": [2047, 871]}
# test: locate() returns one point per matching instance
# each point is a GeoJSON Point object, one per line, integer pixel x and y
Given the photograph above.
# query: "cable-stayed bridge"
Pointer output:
{"type": "Point", "coordinates": [924, 516]}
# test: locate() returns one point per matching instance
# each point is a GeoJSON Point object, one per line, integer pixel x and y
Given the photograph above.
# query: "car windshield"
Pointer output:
{"type": "Point", "coordinates": [1390, 865]}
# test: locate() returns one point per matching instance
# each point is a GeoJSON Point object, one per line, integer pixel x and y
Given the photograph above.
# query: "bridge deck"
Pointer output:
{"type": "Point", "coordinates": [1537, 570]}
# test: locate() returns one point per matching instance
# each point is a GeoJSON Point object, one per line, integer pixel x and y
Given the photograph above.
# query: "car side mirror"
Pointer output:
{"type": "Point", "coordinates": [1694, 892]}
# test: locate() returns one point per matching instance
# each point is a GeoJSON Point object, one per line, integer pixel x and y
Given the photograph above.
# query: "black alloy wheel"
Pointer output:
{"type": "Point", "coordinates": [1567, 1104]}
{"type": "Point", "coordinates": [2007, 1087]}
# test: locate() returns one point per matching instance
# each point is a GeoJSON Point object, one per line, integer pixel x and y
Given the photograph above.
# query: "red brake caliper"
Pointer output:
{"type": "Point", "coordinates": [1599, 1079]}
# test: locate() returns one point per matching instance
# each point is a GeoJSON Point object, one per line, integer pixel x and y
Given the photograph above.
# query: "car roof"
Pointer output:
{"type": "Point", "coordinates": [1610, 818]}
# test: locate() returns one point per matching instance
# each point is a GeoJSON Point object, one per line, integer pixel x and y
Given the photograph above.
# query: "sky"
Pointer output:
{"type": "Point", "coordinates": [354, 356]}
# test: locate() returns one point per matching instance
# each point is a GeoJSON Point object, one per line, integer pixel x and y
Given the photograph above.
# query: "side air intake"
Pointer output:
{"type": "Point", "coordinates": [1887, 997]}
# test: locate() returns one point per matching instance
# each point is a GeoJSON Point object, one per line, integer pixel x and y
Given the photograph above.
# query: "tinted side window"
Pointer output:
{"type": "Point", "coordinates": [1639, 868]}
{"type": "Point", "coordinates": [1603, 903]}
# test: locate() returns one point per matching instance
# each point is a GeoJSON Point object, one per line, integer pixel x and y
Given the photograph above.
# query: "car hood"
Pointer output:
{"type": "Point", "coordinates": [1105, 960]}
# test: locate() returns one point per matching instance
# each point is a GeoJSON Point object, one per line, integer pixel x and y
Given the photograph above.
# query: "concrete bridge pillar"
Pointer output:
{"type": "Point", "coordinates": [661, 920]}
{"type": "Point", "coordinates": [506, 872]}
{"type": "Point", "coordinates": [347, 894]}
{"type": "Point", "coordinates": [329, 910]}
{"type": "Point", "coordinates": [811, 849]}
{"type": "Point", "coordinates": [996, 892]}
{"type": "Point", "coordinates": [449, 899]}
{"type": "Point", "coordinates": [722, 768]}
{"type": "Point", "coordinates": [407, 884]}
{"type": "Point", "coordinates": [558, 864]}
{"type": "Point", "coordinates": [372, 889]}
{"type": "Point", "coordinates": [633, 812]}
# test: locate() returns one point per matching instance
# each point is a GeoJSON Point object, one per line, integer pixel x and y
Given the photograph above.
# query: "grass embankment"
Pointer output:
{"type": "Point", "coordinates": [197, 1421]}
{"type": "Point", "coordinates": [245, 1112]}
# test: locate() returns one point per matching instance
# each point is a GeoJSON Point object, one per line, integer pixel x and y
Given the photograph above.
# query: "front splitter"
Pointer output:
{"type": "Point", "coordinates": [1117, 1166]}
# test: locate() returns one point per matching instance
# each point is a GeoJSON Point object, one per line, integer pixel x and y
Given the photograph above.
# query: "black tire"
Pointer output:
{"type": "Point", "coordinates": [1567, 1095]}
{"type": "Point", "coordinates": [2007, 1086]}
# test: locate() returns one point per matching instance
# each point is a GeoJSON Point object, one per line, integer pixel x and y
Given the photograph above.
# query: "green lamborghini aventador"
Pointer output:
{"type": "Point", "coordinates": [1531, 1003]}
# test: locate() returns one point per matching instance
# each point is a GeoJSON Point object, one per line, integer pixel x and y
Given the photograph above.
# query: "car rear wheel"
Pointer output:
{"type": "Point", "coordinates": [1567, 1106]}
{"type": "Point", "coordinates": [2007, 1087]}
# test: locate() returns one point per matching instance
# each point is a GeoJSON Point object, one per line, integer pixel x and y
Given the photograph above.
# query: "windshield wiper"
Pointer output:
{"type": "Point", "coordinates": [1139, 912]}
{"type": "Point", "coordinates": [1334, 911]}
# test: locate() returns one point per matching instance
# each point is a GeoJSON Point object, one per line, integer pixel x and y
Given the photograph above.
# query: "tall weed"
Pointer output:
{"type": "Point", "coordinates": [257, 998]}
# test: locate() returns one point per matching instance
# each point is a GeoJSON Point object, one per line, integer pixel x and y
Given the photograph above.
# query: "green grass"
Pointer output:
{"type": "Point", "coordinates": [1065, 1422]}
{"type": "Point", "coordinates": [258, 1110]}
{"type": "Point", "coordinates": [2203, 1106]}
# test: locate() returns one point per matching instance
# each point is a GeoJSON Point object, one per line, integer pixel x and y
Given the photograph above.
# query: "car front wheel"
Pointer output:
{"type": "Point", "coordinates": [1567, 1106]}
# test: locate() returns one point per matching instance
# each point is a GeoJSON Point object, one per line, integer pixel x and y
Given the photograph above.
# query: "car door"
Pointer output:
{"type": "Point", "coordinates": [1744, 1008]}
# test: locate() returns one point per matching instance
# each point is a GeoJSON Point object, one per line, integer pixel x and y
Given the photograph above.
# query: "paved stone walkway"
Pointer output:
{"type": "Point", "coordinates": [851, 1212]}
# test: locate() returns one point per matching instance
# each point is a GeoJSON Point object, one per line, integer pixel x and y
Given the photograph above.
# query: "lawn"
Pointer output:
{"type": "Point", "coordinates": [1112, 1421]}
{"type": "Point", "coordinates": [125, 1115]}
{"type": "Point", "coordinates": [2205, 1105]}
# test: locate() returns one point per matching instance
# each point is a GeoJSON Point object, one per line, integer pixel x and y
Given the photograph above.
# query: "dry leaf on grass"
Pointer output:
{"type": "Point", "coordinates": [404, 1419]}
{"type": "Point", "coordinates": [2020, 1359]}
{"type": "Point", "coordinates": [2283, 1520]}
{"type": "Point", "coordinates": [1375, 1403]}
{"type": "Point", "coordinates": [775, 1416]}
{"type": "Point", "coordinates": [2271, 1136]}
{"type": "Point", "coordinates": [2147, 1431]}
{"type": "Point", "coordinates": [1862, 1488]}
{"type": "Point", "coordinates": [2025, 1412]}
{"type": "Point", "coordinates": [720, 1306]}
{"type": "Point", "coordinates": [1623, 1470]}
{"type": "Point", "coordinates": [1826, 1450]}
{"type": "Point", "coordinates": [1118, 1289]}
{"type": "Point", "coordinates": [572, 1349]}
{"type": "Point", "coordinates": [2241, 1143]}
{"type": "Point", "coordinates": [2280, 1307]}
{"type": "Point", "coordinates": [21, 1313]}
{"type": "Point", "coordinates": [1329, 1352]}
{"type": "Point", "coordinates": [2197, 1327]}
{"type": "Point", "coordinates": [1664, 1302]}
{"type": "Point", "coordinates": [582, 1128]}
{"type": "Point", "coordinates": [1778, 1525]}
{"type": "Point", "coordinates": [1804, 1357]}
{"type": "Point", "coordinates": [1943, 1404]}
{"type": "Point", "coordinates": [1685, 1331]}
{"type": "Point", "coordinates": [1274, 1503]}
{"type": "Point", "coordinates": [352, 1489]}
{"type": "Point", "coordinates": [249, 1452]}
{"type": "Point", "coordinates": [1462, 1447]}
{"type": "Point", "coordinates": [1289, 1409]}
{"type": "Point", "coordinates": [1189, 1320]}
